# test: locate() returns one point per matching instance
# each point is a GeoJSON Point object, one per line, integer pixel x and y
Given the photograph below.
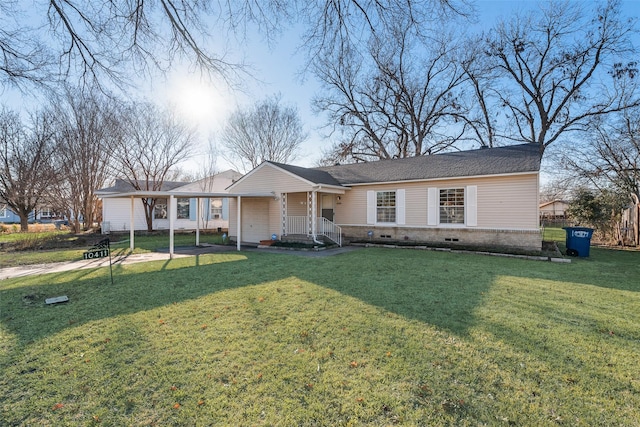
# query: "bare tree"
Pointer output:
{"type": "Point", "coordinates": [56, 39]}
{"type": "Point", "coordinates": [153, 143]}
{"type": "Point", "coordinates": [560, 68]}
{"type": "Point", "coordinates": [344, 24]}
{"type": "Point", "coordinates": [399, 98]}
{"type": "Point", "coordinates": [610, 156]}
{"type": "Point", "coordinates": [53, 40]}
{"type": "Point", "coordinates": [205, 177]}
{"type": "Point", "coordinates": [86, 125]}
{"type": "Point", "coordinates": [25, 169]}
{"type": "Point", "coordinates": [265, 131]}
{"type": "Point", "coordinates": [480, 113]}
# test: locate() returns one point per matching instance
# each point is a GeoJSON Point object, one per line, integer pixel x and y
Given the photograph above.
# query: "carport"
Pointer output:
{"type": "Point", "coordinates": [171, 196]}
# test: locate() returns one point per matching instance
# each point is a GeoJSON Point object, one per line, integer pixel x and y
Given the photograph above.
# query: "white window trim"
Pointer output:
{"type": "Point", "coordinates": [212, 215]}
{"type": "Point", "coordinates": [470, 207]}
{"type": "Point", "coordinates": [188, 204]}
{"type": "Point", "coordinates": [372, 207]}
{"type": "Point", "coordinates": [157, 205]}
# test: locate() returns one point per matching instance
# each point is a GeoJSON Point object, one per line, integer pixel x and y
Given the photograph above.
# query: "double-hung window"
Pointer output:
{"type": "Point", "coordinates": [183, 208]}
{"type": "Point", "coordinates": [452, 206]}
{"type": "Point", "coordinates": [3, 210]}
{"type": "Point", "coordinates": [160, 209]}
{"type": "Point", "coordinates": [216, 208]}
{"type": "Point", "coordinates": [386, 206]}
{"type": "Point", "coordinates": [46, 213]}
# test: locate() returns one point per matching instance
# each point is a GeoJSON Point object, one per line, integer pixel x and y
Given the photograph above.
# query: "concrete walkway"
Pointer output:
{"type": "Point", "coordinates": [161, 255]}
{"type": "Point", "coordinates": [57, 267]}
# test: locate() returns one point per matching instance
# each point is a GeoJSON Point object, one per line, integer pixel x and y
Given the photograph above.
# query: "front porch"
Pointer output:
{"type": "Point", "coordinates": [308, 216]}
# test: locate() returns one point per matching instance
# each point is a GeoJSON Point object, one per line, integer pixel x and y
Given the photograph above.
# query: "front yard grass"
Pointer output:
{"type": "Point", "coordinates": [372, 337]}
{"type": "Point", "coordinates": [60, 246]}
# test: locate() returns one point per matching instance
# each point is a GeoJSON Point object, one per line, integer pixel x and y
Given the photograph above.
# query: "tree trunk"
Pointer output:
{"type": "Point", "coordinates": [24, 222]}
{"type": "Point", "coordinates": [148, 212]}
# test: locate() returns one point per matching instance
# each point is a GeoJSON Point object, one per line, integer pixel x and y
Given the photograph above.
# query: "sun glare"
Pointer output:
{"type": "Point", "coordinates": [197, 102]}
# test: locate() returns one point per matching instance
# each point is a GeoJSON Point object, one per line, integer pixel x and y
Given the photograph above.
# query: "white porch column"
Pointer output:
{"type": "Point", "coordinates": [239, 222]}
{"type": "Point", "coordinates": [131, 223]}
{"type": "Point", "coordinates": [314, 214]}
{"type": "Point", "coordinates": [283, 214]}
{"type": "Point", "coordinates": [198, 200]}
{"type": "Point", "coordinates": [309, 208]}
{"type": "Point", "coordinates": [172, 212]}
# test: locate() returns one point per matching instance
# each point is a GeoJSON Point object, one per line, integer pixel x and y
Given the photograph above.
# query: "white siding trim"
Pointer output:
{"type": "Point", "coordinates": [471, 206]}
{"type": "Point", "coordinates": [400, 206]}
{"type": "Point", "coordinates": [432, 206]}
{"type": "Point", "coordinates": [371, 207]}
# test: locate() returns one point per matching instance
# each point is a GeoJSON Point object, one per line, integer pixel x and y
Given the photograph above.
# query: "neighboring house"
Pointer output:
{"type": "Point", "coordinates": [213, 212]}
{"type": "Point", "coordinates": [555, 210]}
{"type": "Point", "coordinates": [7, 216]}
{"type": "Point", "coordinates": [484, 197]}
{"type": "Point", "coordinates": [43, 214]}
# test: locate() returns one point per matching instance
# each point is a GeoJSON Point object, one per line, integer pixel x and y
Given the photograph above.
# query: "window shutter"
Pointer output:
{"type": "Point", "coordinates": [472, 206]}
{"type": "Point", "coordinates": [432, 206]}
{"type": "Point", "coordinates": [193, 209]}
{"type": "Point", "coordinates": [400, 209]}
{"type": "Point", "coordinates": [371, 207]}
{"type": "Point", "coordinates": [225, 209]}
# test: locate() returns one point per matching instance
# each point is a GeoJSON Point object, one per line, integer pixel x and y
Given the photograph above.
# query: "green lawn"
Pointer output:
{"type": "Point", "coordinates": [75, 245]}
{"type": "Point", "coordinates": [373, 337]}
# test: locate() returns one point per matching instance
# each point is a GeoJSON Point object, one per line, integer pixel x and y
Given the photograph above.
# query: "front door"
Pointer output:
{"type": "Point", "coordinates": [327, 206]}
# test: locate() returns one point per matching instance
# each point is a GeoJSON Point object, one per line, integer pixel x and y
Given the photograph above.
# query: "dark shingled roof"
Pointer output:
{"type": "Point", "coordinates": [315, 175]}
{"type": "Point", "coordinates": [485, 161]}
{"type": "Point", "coordinates": [124, 186]}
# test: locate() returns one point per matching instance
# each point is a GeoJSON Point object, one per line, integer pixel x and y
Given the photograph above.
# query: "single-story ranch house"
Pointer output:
{"type": "Point", "coordinates": [213, 212]}
{"type": "Point", "coordinates": [484, 197]}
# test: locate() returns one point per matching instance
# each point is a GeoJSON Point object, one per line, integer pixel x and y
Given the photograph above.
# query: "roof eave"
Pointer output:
{"type": "Point", "coordinates": [447, 178]}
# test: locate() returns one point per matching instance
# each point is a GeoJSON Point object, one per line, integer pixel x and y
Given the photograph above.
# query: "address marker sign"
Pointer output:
{"type": "Point", "coordinates": [100, 250]}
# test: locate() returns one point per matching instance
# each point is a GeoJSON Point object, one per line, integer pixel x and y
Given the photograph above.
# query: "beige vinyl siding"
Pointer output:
{"type": "Point", "coordinates": [508, 201]}
{"type": "Point", "coordinates": [275, 218]}
{"type": "Point", "coordinates": [352, 209]}
{"type": "Point", "coordinates": [270, 221]}
{"type": "Point", "coordinates": [502, 202]}
{"type": "Point", "coordinates": [297, 204]}
{"type": "Point", "coordinates": [233, 217]}
{"type": "Point", "coordinates": [267, 179]}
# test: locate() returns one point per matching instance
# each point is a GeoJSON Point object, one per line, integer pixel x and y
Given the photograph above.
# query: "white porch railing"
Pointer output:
{"type": "Point", "coordinates": [300, 225]}
{"type": "Point", "coordinates": [297, 225]}
{"type": "Point", "coordinates": [329, 229]}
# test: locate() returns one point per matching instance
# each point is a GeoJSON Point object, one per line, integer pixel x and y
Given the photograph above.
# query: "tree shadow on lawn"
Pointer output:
{"type": "Point", "coordinates": [436, 288]}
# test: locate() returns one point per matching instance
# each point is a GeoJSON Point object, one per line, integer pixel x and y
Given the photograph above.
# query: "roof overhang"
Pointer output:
{"type": "Point", "coordinates": [189, 194]}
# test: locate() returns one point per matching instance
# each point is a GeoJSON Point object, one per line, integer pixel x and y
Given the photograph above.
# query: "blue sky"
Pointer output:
{"type": "Point", "coordinates": [276, 70]}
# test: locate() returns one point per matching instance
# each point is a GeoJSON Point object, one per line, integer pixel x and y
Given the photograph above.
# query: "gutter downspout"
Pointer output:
{"type": "Point", "coordinates": [314, 217]}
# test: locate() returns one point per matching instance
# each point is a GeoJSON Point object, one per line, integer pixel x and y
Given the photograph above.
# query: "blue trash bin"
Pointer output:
{"type": "Point", "coordinates": [578, 241]}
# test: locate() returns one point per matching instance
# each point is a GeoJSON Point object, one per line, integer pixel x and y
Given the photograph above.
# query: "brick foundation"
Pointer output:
{"type": "Point", "coordinates": [528, 240]}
